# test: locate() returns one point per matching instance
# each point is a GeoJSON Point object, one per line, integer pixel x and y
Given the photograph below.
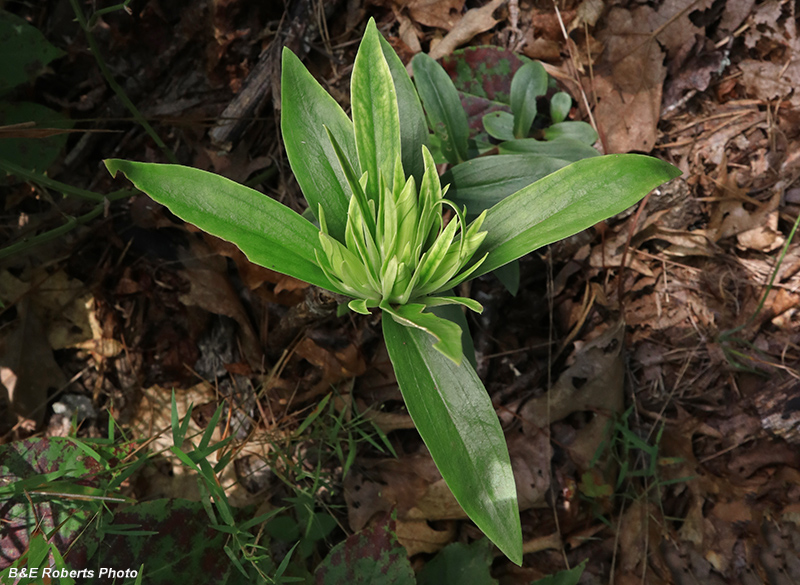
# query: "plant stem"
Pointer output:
{"type": "Point", "coordinates": [72, 222]}
{"type": "Point", "coordinates": [64, 188]}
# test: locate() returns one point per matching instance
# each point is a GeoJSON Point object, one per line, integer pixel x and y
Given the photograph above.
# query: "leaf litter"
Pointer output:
{"type": "Point", "coordinates": [658, 311]}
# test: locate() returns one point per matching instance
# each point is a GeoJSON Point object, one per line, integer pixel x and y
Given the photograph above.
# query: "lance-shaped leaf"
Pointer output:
{"type": "Point", "coordinates": [356, 190]}
{"type": "Point", "coordinates": [528, 84]}
{"type": "Point", "coordinates": [376, 119]}
{"type": "Point", "coordinates": [481, 183]}
{"type": "Point", "coordinates": [446, 332]}
{"type": "Point", "coordinates": [270, 234]}
{"type": "Point", "coordinates": [413, 129]}
{"type": "Point", "coordinates": [563, 147]}
{"type": "Point", "coordinates": [457, 316]}
{"type": "Point", "coordinates": [443, 106]}
{"type": "Point", "coordinates": [456, 419]}
{"type": "Point", "coordinates": [306, 110]}
{"type": "Point", "coordinates": [567, 202]}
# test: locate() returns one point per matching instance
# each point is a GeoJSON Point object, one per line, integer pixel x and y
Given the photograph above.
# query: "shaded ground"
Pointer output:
{"type": "Point", "coordinates": [665, 450]}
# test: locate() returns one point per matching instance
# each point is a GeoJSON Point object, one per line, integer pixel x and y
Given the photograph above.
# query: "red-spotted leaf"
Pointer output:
{"type": "Point", "coordinates": [369, 557]}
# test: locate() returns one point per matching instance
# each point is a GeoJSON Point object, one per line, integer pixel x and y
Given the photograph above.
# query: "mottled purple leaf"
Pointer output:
{"type": "Point", "coordinates": [482, 76]}
{"type": "Point", "coordinates": [369, 557]}
{"type": "Point", "coordinates": [184, 545]}
{"type": "Point", "coordinates": [55, 465]}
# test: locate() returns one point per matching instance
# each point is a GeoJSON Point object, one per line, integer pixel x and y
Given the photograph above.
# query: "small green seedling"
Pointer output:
{"type": "Point", "coordinates": [385, 243]}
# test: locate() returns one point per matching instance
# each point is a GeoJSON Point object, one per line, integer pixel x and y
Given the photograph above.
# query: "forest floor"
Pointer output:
{"type": "Point", "coordinates": [647, 371]}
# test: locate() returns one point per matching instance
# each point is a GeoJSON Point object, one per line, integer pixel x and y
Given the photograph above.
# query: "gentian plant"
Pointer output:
{"type": "Point", "coordinates": [384, 242]}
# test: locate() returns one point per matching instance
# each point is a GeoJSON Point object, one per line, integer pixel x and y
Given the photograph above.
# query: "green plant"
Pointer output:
{"type": "Point", "coordinates": [729, 339]}
{"type": "Point", "coordinates": [515, 120]}
{"type": "Point", "coordinates": [626, 465]}
{"type": "Point", "coordinates": [53, 492]}
{"type": "Point", "coordinates": [532, 144]}
{"type": "Point", "coordinates": [384, 243]}
{"type": "Point", "coordinates": [374, 557]}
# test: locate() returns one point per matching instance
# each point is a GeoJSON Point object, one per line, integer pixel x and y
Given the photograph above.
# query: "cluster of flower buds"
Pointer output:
{"type": "Point", "coordinates": [397, 248]}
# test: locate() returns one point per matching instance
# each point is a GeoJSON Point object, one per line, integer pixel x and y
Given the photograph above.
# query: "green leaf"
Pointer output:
{"type": "Point", "coordinates": [508, 275]}
{"type": "Point", "coordinates": [483, 182]}
{"type": "Point", "coordinates": [460, 563]}
{"type": "Point", "coordinates": [563, 147]}
{"type": "Point", "coordinates": [376, 118]}
{"type": "Point", "coordinates": [568, 577]}
{"type": "Point", "coordinates": [25, 52]}
{"type": "Point", "coordinates": [305, 107]}
{"type": "Point", "coordinates": [446, 332]}
{"type": "Point", "coordinates": [567, 202]}
{"type": "Point", "coordinates": [457, 316]}
{"type": "Point", "coordinates": [529, 83]}
{"type": "Point", "coordinates": [560, 105]}
{"type": "Point", "coordinates": [441, 301]}
{"type": "Point", "coordinates": [413, 129]}
{"type": "Point", "coordinates": [270, 234]}
{"type": "Point", "coordinates": [580, 131]}
{"type": "Point", "coordinates": [443, 106]}
{"type": "Point", "coordinates": [499, 125]}
{"type": "Point", "coordinates": [32, 154]}
{"type": "Point", "coordinates": [179, 535]}
{"type": "Point", "coordinates": [456, 419]}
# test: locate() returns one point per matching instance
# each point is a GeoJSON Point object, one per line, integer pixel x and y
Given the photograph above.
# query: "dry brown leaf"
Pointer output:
{"type": "Point", "coordinates": [408, 32]}
{"type": "Point", "coordinates": [603, 257]}
{"type": "Point", "coordinates": [417, 536]}
{"type": "Point", "coordinates": [61, 303]}
{"type": "Point", "coordinates": [763, 238]}
{"type": "Point", "coordinates": [768, 81]}
{"type": "Point", "coordinates": [541, 48]}
{"type": "Point", "coordinates": [336, 366]}
{"type": "Point", "coordinates": [628, 82]}
{"type": "Point", "coordinates": [747, 462]}
{"type": "Point", "coordinates": [27, 366]}
{"type": "Point", "coordinates": [732, 217]}
{"type": "Point", "coordinates": [388, 421]}
{"type": "Point", "coordinates": [683, 243]}
{"type": "Point", "coordinates": [364, 499]}
{"type": "Point", "coordinates": [212, 291]}
{"type": "Point", "coordinates": [103, 347]}
{"type": "Point", "coordinates": [442, 14]}
{"type": "Point", "coordinates": [676, 31]}
{"type": "Point", "coordinates": [474, 22]}
{"type": "Point", "coordinates": [635, 528]}
{"type": "Point", "coordinates": [254, 275]}
{"type": "Point", "coordinates": [712, 145]}
{"type": "Point", "coordinates": [152, 418]}
{"type": "Point", "coordinates": [587, 13]}
{"type": "Point", "coordinates": [733, 511]}
{"type": "Point", "coordinates": [530, 454]}
{"type": "Point", "coordinates": [595, 381]}
{"type": "Point", "coordinates": [779, 79]}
